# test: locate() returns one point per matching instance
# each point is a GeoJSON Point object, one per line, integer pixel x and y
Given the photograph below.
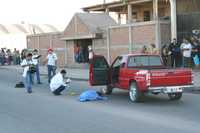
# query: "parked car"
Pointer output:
{"type": "Point", "coordinates": [140, 74]}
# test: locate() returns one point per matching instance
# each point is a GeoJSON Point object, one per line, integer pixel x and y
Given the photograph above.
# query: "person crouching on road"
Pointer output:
{"type": "Point", "coordinates": [57, 84]}
{"type": "Point", "coordinates": [27, 72]}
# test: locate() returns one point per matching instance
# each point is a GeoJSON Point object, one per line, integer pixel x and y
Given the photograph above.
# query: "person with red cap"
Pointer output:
{"type": "Point", "coordinates": [51, 61]}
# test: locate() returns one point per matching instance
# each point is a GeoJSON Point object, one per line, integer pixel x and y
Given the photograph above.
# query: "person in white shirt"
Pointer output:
{"type": "Point", "coordinates": [51, 60]}
{"type": "Point", "coordinates": [57, 84]}
{"type": "Point", "coordinates": [35, 59]}
{"type": "Point", "coordinates": [26, 64]}
{"type": "Point", "coordinates": [186, 48]}
{"type": "Point", "coordinates": [91, 54]}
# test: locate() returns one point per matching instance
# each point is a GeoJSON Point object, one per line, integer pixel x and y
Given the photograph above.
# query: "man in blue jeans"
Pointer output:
{"type": "Point", "coordinates": [51, 60]}
{"type": "Point", "coordinates": [186, 48]}
{"type": "Point", "coordinates": [26, 64]}
{"type": "Point", "coordinates": [35, 60]}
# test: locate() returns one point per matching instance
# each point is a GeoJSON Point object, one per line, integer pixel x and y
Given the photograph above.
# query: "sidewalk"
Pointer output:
{"type": "Point", "coordinates": [83, 74]}
{"type": "Point", "coordinates": [74, 74]}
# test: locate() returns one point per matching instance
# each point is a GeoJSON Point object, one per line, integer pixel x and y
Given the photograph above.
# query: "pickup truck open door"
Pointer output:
{"type": "Point", "coordinates": [99, 71]}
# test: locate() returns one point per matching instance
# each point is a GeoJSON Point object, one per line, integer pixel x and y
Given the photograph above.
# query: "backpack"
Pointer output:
{"type": "Point", "coordinates": [20, 85]}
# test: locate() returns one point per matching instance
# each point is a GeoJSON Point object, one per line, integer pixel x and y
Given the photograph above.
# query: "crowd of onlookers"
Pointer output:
{"type": "Point", "coordinates": [8, 57]}
{"type": "Point", "coordinates": [184, 54]}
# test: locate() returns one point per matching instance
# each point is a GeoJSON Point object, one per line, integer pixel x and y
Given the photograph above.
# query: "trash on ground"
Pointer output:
{"type": "Point", "coordinates": [19, 85]}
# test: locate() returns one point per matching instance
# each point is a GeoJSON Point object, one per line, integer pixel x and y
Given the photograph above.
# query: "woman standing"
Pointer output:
{"type": "Point", "coordinates": [195, 52]}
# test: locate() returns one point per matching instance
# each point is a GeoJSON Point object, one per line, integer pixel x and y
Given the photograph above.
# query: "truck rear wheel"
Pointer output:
{"type": "Point", "coordinates": [134, 94]}
{"type": "Point", "coordinates": [175, 96]}
{"type": "Point", "coordinates": [108, 90]}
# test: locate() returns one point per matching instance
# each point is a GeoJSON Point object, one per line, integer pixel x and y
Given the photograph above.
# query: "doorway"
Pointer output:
{"type": "Point", "coordinates": [81, 50]}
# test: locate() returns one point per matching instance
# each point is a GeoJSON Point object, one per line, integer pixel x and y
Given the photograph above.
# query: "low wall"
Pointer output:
{"type": "Point", "coordinates": [43, 42]}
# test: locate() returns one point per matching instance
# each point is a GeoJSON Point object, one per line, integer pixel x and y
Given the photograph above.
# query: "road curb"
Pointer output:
{"type": "Point", "coordinates": [44, 74]}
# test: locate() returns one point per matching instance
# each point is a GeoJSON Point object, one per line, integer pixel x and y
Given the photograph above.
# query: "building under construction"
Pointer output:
{"type": "Point", "coordinates": [120, 27]}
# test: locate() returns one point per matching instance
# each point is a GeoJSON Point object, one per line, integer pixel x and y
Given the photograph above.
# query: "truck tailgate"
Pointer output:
{"type": "Point", "coordinates": [170, 77]}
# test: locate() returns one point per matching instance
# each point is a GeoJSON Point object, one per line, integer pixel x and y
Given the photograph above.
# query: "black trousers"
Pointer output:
{"type": "Point", "coordinates": [59, 90]}
{"type": "Point", "coordinates": [175, 61]}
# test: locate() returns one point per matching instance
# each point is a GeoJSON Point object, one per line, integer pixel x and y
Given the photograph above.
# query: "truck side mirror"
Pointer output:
{"type": "Point", "coordinates": [122, 65]}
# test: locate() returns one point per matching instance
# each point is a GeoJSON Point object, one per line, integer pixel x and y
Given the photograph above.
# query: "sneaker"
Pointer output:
{"type": "Point", "coordinates": [39, 83]}
{"type": "Point", "coordinates": [57, 94]}
{"type": "Point", "coordinates": [29, 91]}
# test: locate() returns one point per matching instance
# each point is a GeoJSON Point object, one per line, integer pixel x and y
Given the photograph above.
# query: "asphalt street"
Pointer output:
{"type": "Point", "coordinates": [42, 112]}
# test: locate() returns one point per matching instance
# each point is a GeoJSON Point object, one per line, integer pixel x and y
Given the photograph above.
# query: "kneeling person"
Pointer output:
{"type": "Point", "coordinates": [57, 84]}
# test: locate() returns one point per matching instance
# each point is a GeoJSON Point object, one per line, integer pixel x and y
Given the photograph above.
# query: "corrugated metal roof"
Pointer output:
{"type": "Point", "coordinates": [27, 29]}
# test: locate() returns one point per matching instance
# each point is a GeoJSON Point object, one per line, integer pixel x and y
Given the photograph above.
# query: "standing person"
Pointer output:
{"type": "Point", "coordinates": [153, 49]}
{"type": "Point", "coordinates": [35, 59]}
{"type": "Point", "coordinates": [81, 55]}
{"type": "Point", "coordinates": [23, 54]}
{"type": "Point", "coordinates": [175, 53]}
{"type": "Point", "coordinates": [195, 52]}
{"type": "Point", "coordinates": [18, 57]}
{"type": "Point", "coordinates": [1, 57]}
{"type": "Point", "coordinates": [27, 72]}
{"type": "Point", "coordinates": [91, 54]}
{"type": "Point", "coordinates": [76, 51]}
{"type": "Point", "coordinates": [15, 56]}
{"type": "Point", "coordinates": [9, 57]}
{"type": "Point", "coordinates": [144, 50]}
{"type": "Point", "coordinates": [164, 54]}
{"type": "Point", "coordinates": [51, 60]}
{"type": "Point", "coordinates": [57, 84]}
{"type": "Point", "coordinates": [3, 54]}
{"type": "Point", "coordinates": [186, 49]}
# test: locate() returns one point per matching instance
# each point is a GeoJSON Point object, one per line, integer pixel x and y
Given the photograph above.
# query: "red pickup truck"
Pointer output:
{"type": "Point", "coordinates": [140, 74]}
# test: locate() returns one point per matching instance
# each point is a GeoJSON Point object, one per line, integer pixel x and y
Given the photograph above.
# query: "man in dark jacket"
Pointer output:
{"type": "Point", "coordinates": [175, 52]}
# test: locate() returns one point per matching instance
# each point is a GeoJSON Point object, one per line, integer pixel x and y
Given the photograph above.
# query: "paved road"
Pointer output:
{"type": "Point", "coordinates": [41, 112]}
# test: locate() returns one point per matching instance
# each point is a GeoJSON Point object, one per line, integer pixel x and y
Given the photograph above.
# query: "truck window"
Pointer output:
{"type": "Point", "coordinates": [154, 61]}
{"type": "Point", "coordinates": [118, 62]}
{"type": "Point", "coordinates": [136, 61]}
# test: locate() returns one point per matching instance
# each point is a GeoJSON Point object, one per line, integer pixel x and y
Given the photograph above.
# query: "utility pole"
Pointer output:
{"type": "Point", "coordinates": [104, 2]}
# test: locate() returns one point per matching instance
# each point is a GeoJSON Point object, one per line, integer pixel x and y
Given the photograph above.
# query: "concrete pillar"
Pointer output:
{"type": "Point", "coordinates": [157, 24]}
{"type": "Point", "coordinates": [75, 25]}
{"type": "Point", "coordinates": [51, 42]}
{"type": "Point", "coordinates": [107, 11]}
{"type": "Point", "coordinates": [65, 54]}
{"type": "Point", "coordinates": [155, 9]}
{"type": "Point", "coordinates": [119, 18]}
{"type": "Point", "coordinates": [38, 39]}
{"type": "Point", "coordinates": [108, 46]}
{"type": "Point", "coordinates": [173, 19]}
{"type": "Point", "coordinates": [38, 44]}
{"type": "Point", "coordinates": [129, 13]}
{"type": "Point", "coordinates": [130, 39]}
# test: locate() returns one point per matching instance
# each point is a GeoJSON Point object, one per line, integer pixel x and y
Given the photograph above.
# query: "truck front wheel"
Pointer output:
{"type": "Point", "coordinates": [175, 96]}
{"type": "Point", "coordinates": [134, 93]}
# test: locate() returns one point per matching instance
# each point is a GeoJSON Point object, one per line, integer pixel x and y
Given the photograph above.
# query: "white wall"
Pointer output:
{"type": "Point", "coordinates": [12, 41]}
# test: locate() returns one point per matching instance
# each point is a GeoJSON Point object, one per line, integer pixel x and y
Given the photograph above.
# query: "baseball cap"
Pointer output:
{"type": "Point", "coordinates": [50, 49]}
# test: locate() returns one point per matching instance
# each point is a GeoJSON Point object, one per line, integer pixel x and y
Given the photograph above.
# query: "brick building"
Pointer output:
{"type": "Point", "coordinates": [147, 21]}
{"type": "Point", "coordinates": [44, 41]}
{"type": "Point", "coordinates": [87, 30]}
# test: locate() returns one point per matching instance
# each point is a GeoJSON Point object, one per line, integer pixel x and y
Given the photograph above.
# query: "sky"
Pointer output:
{"type": "Point", "coordinates": [55, 12]}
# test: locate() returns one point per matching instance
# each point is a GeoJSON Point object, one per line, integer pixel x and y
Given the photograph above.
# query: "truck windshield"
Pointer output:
{"type": "Point", "coordinates": [138, 61]}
